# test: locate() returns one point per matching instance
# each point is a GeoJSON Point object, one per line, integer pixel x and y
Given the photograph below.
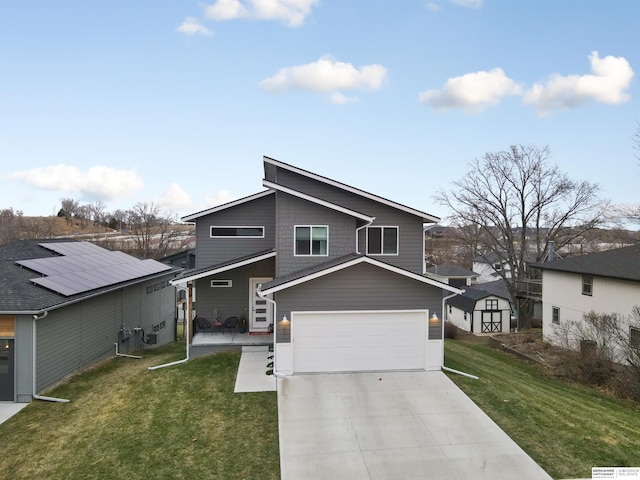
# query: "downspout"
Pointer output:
{"type": "Point", "coordinates": [33, 352]}
{"type": "Point", "coordinates": [358, 232]}
{"type": "Point", "coordinates": [186, 336]}
{"type": "Point", "coordinates": [275, 330]}
{"type": "Point", "coordinates": [444, 301]}
{"type": "Point", "coordinates": [184, 360]}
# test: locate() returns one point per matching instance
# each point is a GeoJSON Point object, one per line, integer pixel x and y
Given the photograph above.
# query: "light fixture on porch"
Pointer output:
{"type": "Point", "coordinates": [284, 320]}
{"type": "Point", "coordinates": [434, 318]}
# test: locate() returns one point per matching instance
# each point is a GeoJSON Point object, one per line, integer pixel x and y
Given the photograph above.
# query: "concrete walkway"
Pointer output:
{"type": "Point", "coordinates": [9, 409]}
{"type": "Point", "coordinates": [252, 375]}
{"type": "Point", "coordinates": [399, 425]}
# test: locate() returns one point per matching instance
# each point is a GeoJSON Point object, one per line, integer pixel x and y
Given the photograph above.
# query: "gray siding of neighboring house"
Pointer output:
{"type": "Point", "coordinates": [411, 235]}
{"type": "Point", "coordinates": [361, 287]}
{"type": "Point", "coordinates": [293, 211]}
{"type": "Point", "coordinates": [75, 337]}
{"type": "Point", "coordinates": [230, 301]}
{"type": "Point", "coordinates": [258, 212]}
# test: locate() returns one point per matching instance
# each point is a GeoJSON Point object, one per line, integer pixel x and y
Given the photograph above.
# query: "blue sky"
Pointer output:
{"type": "Point", "coordinates": [176, 102]}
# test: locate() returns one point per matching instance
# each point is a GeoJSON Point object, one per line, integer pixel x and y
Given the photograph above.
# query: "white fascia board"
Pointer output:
{"type": "Point", "coordinates": [194, 216]}
{"type": "Point", "coordinates": [370, 261]}
{"type": "Point", "coordinates": [427, 218]}
{"type": "Point", "coordinates": [215, 271]}
{"type": "Point", "coordinates": [318, 201]}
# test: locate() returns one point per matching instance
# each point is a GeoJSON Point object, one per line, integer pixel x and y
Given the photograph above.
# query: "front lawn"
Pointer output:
{"type": "Point", "coordinates": [565, 428]}
{"type": "Point", "coordinates": [124, 421]}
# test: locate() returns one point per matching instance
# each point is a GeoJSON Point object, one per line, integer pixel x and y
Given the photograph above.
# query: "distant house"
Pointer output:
{"type": "Point", "coordinates": [481, 311]}
{"type": "Point", "coordinates": [603, 282]}
{"type": "Point", "coordinates": [489, 266]}
{"type": "Point", "coordinates": [186, 260]}
{"type": "Point", "coordinates": [65, 305]}
{"type": "Point", "coordinates": [452, 274]}
{"type": "Point", "coordinates": [336, 273]}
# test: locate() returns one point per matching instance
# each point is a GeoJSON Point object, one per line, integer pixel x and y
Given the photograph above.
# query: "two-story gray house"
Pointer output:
{"type": "Point", "coordinates": [335, 272]}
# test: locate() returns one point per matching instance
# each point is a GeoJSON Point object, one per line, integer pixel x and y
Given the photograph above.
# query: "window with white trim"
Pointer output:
{"type": "Point", "coordinates": [382, 240]}
{"type": "Point", "coordinates": [237, 231]}
{"type": "Point", "coordinates": [311, 240]}
{"type": "Point", "coordinates": [491, 304]}
{"type": "Point", "coordinates": [587, 285]}
{"type": "Point", "coordinates": [221, 283]}
{"type": "Point", "coordinates": [555, 315]}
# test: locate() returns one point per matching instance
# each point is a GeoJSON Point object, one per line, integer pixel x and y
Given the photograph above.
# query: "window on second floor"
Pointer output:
{"type": "Point", "coordinates": [555, 315]}
{"type": "Point", "coordinates": [491, 304]}
{"type": "Point", "coordinates": [237, 232]}
{"type": "Point", "coordinates": [382, 241]}
{"type": "Point", "coordinates": [312, 240]}
{"type": "Point", "coordinates": [587, 285]}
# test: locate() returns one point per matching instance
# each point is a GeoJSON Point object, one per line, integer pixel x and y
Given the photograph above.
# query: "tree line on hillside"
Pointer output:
{"type": "Point", "coordinates": [150, 233]}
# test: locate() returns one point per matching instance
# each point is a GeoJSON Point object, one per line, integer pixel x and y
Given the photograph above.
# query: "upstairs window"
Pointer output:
{"type": "Point", "coordinates": [311, 240]}
{"type": "Point", "coordinates": [587, 285]}
{"type": "Point", "coordinates": [237, 232]}
{"type": "Point", "coordinates": [382, 241]}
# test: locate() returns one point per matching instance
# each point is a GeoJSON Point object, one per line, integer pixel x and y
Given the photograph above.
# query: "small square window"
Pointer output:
{"type": "Point", "coordinates": [311, 240]}
{"type": "Point", "coordinates": [555, 315]}
{"type": "Point", "coordinates": [587, 285]}
{"type": "Point", "coordinates": [221, 283]}
{"type": "Point", "coordinates": [491, 304]}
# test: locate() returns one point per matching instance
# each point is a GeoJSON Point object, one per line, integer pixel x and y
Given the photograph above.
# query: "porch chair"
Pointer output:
{"type": "Point", "coordinates": [230, 323]}
{"type": "Point", "coordinates": [201, 324]}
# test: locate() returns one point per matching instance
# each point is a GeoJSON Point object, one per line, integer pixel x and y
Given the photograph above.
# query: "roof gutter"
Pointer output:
{"type": "Point", "coordinates": [369, 222]}
{"type": "Point", "coordinates": [444, 301]}
{"type": "Point", "coordinates": [33, 352]}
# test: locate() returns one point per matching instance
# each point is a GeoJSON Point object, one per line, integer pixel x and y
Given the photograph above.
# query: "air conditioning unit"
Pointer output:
{"type": "Point", "coordinates": [152, 338]}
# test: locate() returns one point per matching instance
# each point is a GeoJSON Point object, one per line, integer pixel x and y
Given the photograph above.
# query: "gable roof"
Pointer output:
{"type": "Point", "coordinates": [190, 275]}
{"type": "Point", "coordinates": [19, 294]}
{"type": "Point", "coordinates": [467, 301]}
{"type": "Point", "coordinates": [621, 263]}
{"type": "Point", "coordinates": [427, 218]}
{"type": "Point", "coordinates": [224, 206]}
{"type": "Point", "coordinates": [336, 264]}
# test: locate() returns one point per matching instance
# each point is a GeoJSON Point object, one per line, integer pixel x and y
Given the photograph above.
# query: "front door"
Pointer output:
{"type": "Point", "coordinates": [261, 315]}
{"type": "Point", "coordinates": [6, 370]}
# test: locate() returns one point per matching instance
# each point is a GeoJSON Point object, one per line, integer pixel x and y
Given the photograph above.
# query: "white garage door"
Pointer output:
{"type": "Point", "coordinates": [359, 341]}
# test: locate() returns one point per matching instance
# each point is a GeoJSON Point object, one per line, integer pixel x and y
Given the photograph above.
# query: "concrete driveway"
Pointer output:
{"type": "Point", "coordinates": [400, 425]}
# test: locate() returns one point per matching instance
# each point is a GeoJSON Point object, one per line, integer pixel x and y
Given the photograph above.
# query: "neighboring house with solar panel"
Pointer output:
{"type": "Point", "coordinates": [65, 305]}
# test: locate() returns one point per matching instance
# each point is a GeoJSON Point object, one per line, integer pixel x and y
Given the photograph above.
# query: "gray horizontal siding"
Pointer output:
{"type": "Point", "coordinates": [411, 246]}
{"type": "Point", "coordinates": [232, 301]}
{"type": "Point", "coordinates": [212, 251]}
{"type": "Point", "coordinates": [362, 287]}
{"type": "Point", "coordinates": [293, 211]}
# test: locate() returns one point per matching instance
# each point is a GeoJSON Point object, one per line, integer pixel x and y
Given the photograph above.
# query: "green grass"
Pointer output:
{"type": "Point", "coordinates": [124, 421]}
{"type": "Point", "coordinates": [565, 428]}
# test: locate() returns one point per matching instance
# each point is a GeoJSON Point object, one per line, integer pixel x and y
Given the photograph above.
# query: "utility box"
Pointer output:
{"type": "Point", "coordinates": [152, 338]}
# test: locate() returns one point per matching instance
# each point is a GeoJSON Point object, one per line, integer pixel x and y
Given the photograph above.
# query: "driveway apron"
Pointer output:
{"type": "Point", "coordinates": [399, 425]}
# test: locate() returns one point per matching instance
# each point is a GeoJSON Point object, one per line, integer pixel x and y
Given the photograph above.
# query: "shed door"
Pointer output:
{"type": "Point", "coordinates": [6, 370]}
{"type": "Point", "coordinates": [359, 341]}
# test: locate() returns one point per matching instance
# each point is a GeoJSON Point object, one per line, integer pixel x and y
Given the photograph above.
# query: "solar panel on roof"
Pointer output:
{"type": "Point", "coordinates": [83, 266]}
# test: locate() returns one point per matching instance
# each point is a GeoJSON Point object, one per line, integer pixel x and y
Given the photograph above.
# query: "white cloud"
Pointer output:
{"type": "Point", "coordinates": [608, 83]}
{"type": "Point", "coordinates": [327, 75]}
{"type": "Point", "coordinates": [175, 199]}
{"type": "Point", "coordinates": [340, 99]}
{"type": "Point", "coordinates": [99, 183]}
{"type": "Point", "coordinates": [468, 3]}
{"type": "Point", "coordinates": [433, 7]}
{"type": "Point", "coordinates": [292, 12]}
{"type": "Point", "coordinates": [472, 92]}
{"type": "Point", "coordinates": [192, 26]}
{"type": "Point", "coordinates": [220, 197]}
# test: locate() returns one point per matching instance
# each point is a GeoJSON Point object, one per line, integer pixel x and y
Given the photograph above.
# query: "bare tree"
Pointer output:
{"type": "Point", "coordinates": [514, 203]}
{"type": "Point", "coordinates": [153, 233]}
{"type": "Point", "coordinates": [69, 207]}
{"type": "Point", "coordinates": [9, 225]}
{"type": "Point", "coordinates": [97, 212]}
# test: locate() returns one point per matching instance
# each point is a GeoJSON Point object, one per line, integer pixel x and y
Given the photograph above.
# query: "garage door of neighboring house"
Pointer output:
{"type": "Point", "coordinates": [491, 321]}
{"type": "Point", "coordinates": [6, 370]}
{"type": "Point", "coordinates": [359, 341]}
